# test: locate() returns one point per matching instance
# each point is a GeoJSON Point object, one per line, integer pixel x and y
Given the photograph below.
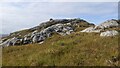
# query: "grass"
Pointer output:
{"type": "Point", "coordinates": [77, 49]}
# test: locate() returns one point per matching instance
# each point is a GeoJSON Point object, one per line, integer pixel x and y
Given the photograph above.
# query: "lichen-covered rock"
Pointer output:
{"type": "Point", "coordinates": [109, 33]}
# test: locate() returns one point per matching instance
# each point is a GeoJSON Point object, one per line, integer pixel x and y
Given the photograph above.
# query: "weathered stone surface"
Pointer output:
{"type": "Point", "coordinates": [11, 42]}
{"type": "Point", "coordinates": [91, 29]}
{"type": "Point", "coordinates": [102, 27]}
{"type": "Point", "coordinates": [109, 33]}
{"type": "Point", "coordinates": [108, 24]}
{"type": "Point", "coordinates": [45, 33]}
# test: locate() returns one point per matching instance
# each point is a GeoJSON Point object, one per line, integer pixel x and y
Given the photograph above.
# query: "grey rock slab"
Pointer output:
{"type": "Point", "coordinates": [109, 33]}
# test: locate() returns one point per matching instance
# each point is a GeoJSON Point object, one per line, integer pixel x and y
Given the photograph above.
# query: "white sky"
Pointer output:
{"type": "Point", "coordinates": [21, 14]}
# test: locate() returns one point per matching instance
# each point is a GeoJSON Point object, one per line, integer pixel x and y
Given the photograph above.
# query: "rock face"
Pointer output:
{"type": "Point", "coordinates": [109, 33]}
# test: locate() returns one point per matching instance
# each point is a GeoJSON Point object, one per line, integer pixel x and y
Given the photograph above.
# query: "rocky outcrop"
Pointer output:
{"type": "Point", "coordinates": [103, 28]}
{"type": "Point", "coordinates": [39, 33]}
{"type": "Point", "coordinates": [60, 26]}
{"type": "Point", "coordinates": [51, 22]}
{"type": "Point", "coordinates": [37, 37]}
{"type": "Point", "coordinates": [109, 33]}
{"type": "Point", "coordinates": [108, 24]}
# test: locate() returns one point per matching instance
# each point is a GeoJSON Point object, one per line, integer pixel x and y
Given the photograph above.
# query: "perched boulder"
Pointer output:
{"type": "Point", "coordinates": [109, 33]}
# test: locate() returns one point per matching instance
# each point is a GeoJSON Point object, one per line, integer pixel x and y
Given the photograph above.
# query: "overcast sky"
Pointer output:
{"type": "Point", "coordinates": [20, 15]}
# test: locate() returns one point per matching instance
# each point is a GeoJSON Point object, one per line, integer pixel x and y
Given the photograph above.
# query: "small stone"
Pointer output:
{"type": "Point", "coordinates": [41, 42]}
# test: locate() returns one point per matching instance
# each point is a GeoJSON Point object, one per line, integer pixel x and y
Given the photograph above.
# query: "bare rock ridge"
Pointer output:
{"type": "Point", "coordinates": [39, 33]}
{"type": "Point", "coordinates": [62, 27]}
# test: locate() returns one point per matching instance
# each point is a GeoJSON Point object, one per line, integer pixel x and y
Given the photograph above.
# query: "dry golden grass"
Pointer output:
{"type": "Point", "coordinates": [77, 49]}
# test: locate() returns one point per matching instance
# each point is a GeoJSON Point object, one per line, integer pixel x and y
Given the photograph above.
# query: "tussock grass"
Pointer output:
{"type": "Point", "coordinates": [77, 49]}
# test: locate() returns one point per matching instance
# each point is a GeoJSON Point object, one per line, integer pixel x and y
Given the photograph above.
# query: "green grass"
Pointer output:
{"type": "Point", "coordinates": [77, 49]}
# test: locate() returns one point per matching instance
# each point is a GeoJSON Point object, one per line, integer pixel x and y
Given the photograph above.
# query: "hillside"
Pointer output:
{"type": "Point", "coordinates": [76, 43]}
{"type": "Point", "coordinates": [44, 30]}
{"type": "Point", "coordinates": [72, 50]}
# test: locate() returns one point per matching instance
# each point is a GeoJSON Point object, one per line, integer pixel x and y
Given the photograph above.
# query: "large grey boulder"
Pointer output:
{"type": "Point", "coordinates": [109, 33]}
{"type": "Point", "coordinates": [108, 24]}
